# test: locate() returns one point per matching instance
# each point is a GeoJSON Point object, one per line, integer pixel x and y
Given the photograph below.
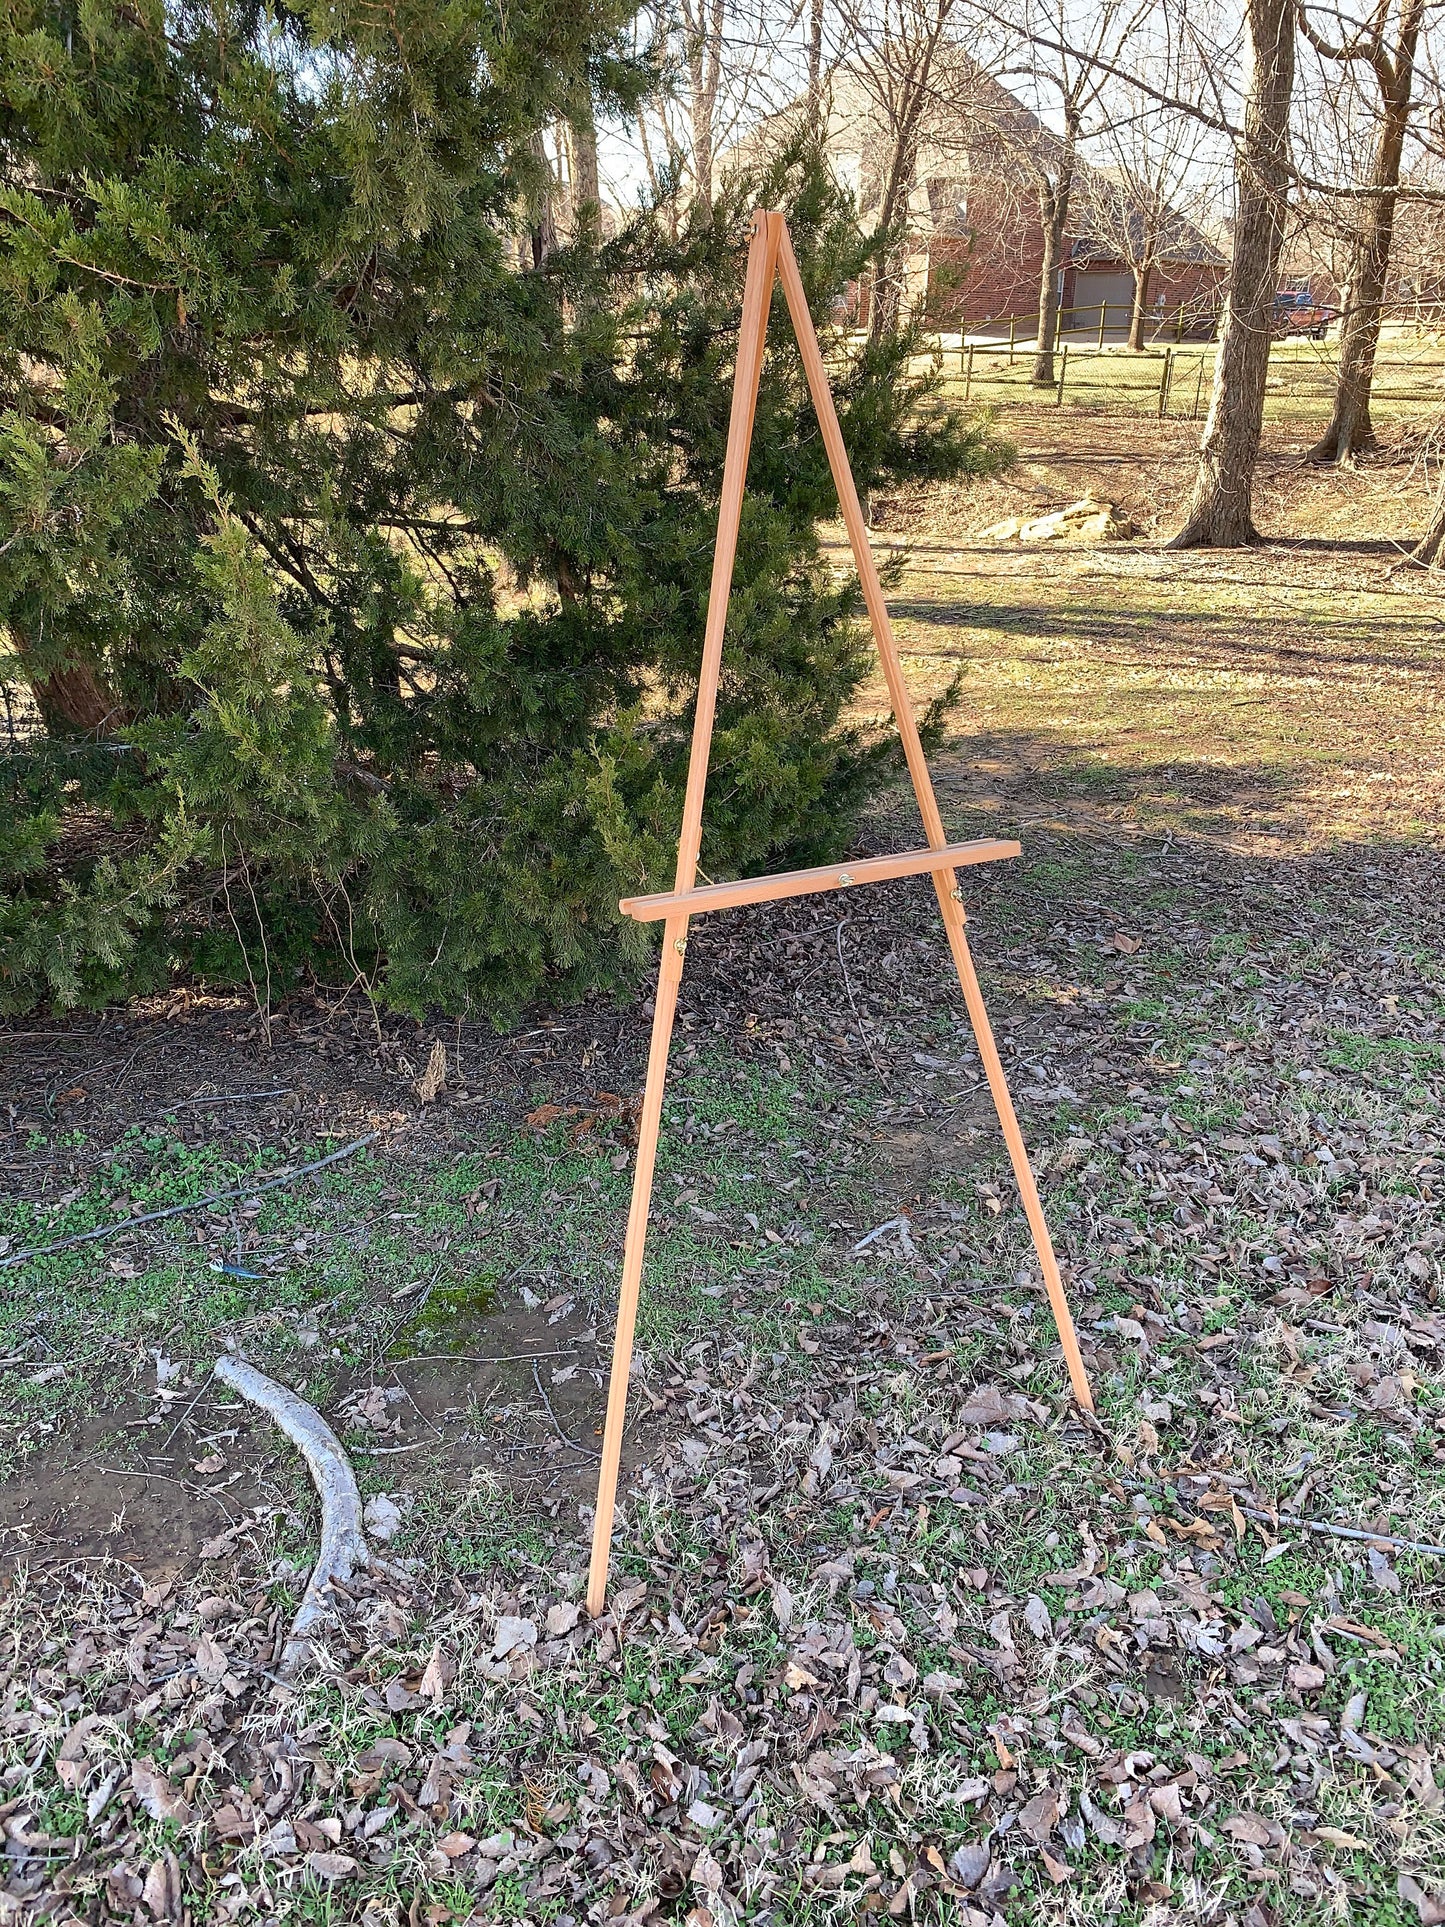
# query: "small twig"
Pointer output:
{"type": "Point", "coordinates": [125, 1068]}
{"type": "Point", "coordinates": [475, 1358]}
{"type": "Point", "coordinates": [1341, 1532]}
{"type": "Point", "coordinates": [82, 1039]}
{"type": "Point", "coordinates": [231, 1097]}
{"type": "Point", "coordinates": [571, 1444]}
{"type": "Point", "coordinates": [420, 1414]}
{"type": "Point", "coordinates": [195, 1401]}
{"type": "Point", "coordinates": [1308, 1525]}
{"type": "Point", "coordinates": [288, 1176]}
{"type": "Point", "coordinates": [186, 1485]}
{"type": "Point", "coordinates": [250, 1666]}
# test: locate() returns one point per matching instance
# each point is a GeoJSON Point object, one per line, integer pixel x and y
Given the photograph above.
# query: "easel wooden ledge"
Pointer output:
{"type": "Point", "coordinates": [770, 255]}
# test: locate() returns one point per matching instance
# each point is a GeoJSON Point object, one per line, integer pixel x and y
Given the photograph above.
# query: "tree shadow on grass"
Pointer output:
{"type": "Point", "coordinates": [1211, 640]}
{"type": "Point", "coordinates": [1316, 814]}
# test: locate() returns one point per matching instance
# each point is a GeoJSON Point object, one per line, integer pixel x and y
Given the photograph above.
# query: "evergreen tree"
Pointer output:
{"type": "Point", "coordinates": [354, 549]}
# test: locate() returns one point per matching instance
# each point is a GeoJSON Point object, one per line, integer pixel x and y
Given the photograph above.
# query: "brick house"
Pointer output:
{"type": "Point", "coordinates": [984, 260]}
{"type": "Point", "coordinates": [974, 251]}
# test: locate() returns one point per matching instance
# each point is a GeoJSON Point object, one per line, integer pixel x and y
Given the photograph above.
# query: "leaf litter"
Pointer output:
{"type": "Point", "coordinates": [894, 1630]}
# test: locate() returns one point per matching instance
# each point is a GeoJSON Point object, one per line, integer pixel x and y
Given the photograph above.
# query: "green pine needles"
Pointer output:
{"type": "Point", "coordinates": [354, 540]}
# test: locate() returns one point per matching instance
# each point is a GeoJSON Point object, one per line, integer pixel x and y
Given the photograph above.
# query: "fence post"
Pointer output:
{"type": "Point", "coordinates": [1103, 317]}
{"type": "Point", "coordinates": [1012, 324]}
{"type": "Point", "coordinates": [1063, 370]}
{"type": "Point", "coordinates": [1165, 377]}
{"type": "Point", "coordinates": [968, 374]}
{"type": "Point", "coordinates": [1058, 326]}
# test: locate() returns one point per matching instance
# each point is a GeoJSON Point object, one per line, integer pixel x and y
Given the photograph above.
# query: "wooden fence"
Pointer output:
{"type": "Point", "coordinates": [1174, 382]}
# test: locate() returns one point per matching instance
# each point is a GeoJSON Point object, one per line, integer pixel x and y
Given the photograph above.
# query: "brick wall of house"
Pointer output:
{"type": "Point", "coordinates": [1199, 287]}
{"type": "Point", "coordinates": [991, 271]}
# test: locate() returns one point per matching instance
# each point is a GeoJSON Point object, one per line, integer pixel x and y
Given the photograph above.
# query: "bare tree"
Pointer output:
{"type": "Point", "coordinates": [1266, 171]}
{"type": "Point", "coordinates": [1152, 160]}
{"type": "Point", "coordinates": [586, 181]}
{"type": "Point", "coordinates": [702, 23]}
{"type": "Point", "coordinates": [723, 66]}
{"type": "Point", "coordinates": [1369, 46]}
{"type": "Point", "coordinates": [1417, 251]}
{"type": "Point", "coordinates": [1065, 63]}
{"type": "Point", "coordinates": [815, 57]}
{"type": "Point", "coordinates": [898, 51]}
{"type": "Point", "coordinates": [1220, 513]}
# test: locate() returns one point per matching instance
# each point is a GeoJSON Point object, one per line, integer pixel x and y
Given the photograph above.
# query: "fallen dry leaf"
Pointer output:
{"type": "Point", "coordinates": [331, 1866]}
{"type": "Point", "coordinates": [434, 1076]}
{"type": "Point", "coordinates": [156, 1794]}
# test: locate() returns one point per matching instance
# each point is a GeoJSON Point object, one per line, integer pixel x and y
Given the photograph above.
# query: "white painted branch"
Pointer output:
{"type": "Point", "coordinates": [343, 1542]}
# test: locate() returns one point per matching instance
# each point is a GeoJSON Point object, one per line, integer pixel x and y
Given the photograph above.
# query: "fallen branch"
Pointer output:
{"type": "Point", "coordinates": [1277, 1519]}
{"type": "Point", "coordinates": [1323, 1526]}
{"type": "Point", "coordinates": [288, 1176]}
{"type": "Point", "coordinates": [343, 1542]}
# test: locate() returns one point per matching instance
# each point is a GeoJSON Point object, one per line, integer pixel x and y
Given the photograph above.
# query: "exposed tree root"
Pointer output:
{"type": "Point", "coordinates": [343, 1542]}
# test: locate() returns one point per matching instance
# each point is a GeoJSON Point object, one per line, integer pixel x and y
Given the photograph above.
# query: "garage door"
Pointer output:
{"type": "Point", "coordinates": [1089, 290]}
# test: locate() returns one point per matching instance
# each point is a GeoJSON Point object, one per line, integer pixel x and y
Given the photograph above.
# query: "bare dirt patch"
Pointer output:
{"type": "Point", "coordinates": [100, 1495]}
{"type": "Point", "coordinates": [191, 1482]}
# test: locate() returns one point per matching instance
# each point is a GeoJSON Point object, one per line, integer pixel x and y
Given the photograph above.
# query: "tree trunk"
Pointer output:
{"type": "Point", "coordinates": [654, 181]}
{"type": "Point", "coordinates": [1054, 220]}
{"type": "Point", "coordinates": [887, 288]}
{"type": "Point", "coordinates": [1350, 429]}
{"type": "Point", "coordinates": [897, 190]}
{"type": "Point", "coordinates": [586, 188]}
{"type": "Point", "coordinates": [1137, 312]}
{"type": "Point", "coordinates": [1220, 508]}
{"type": "Point", "coordinates": [703, 32]}
{"type": "Point", "coordinates": [702, 151]}
{"type": "Point", "coordinates": [815, 63]}
{"type": "Point", "coordinates": [1427, 549]}
{"type": "Point", "coordinates": [544, 226]}
{"type": "Point", "coordinates": [74, 699]}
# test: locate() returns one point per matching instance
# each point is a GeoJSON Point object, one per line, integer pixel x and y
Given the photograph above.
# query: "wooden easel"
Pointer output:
{"type": "Point", "coordinates": [771, 254]}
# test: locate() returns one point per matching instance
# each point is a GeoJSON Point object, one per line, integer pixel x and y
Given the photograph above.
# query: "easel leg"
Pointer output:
{"type": "Point", "coordinates": [669, 976]}
{"type": "Point", "coordinates": [927, 804]}
{"type": "Point", "coordinates": [953, 921]}
{"type": "Point", "coordinates": [757, 297]}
